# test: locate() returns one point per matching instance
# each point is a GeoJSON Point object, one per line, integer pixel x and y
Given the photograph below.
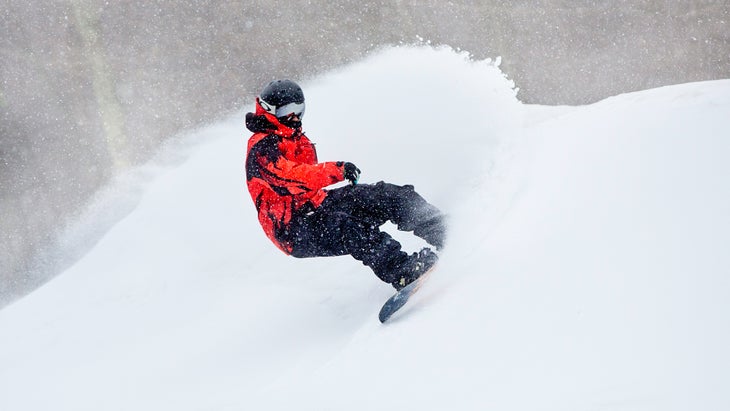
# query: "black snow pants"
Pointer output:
{"type": "Point", "coordinates": [349, 220]}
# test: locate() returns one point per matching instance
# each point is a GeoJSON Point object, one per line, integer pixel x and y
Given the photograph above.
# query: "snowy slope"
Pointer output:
{"type": "Point", "coordinates": [587, 267]}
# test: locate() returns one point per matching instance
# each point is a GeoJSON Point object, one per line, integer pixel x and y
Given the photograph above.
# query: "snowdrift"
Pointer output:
{"type": "Point", "coordinates": [587, 266]}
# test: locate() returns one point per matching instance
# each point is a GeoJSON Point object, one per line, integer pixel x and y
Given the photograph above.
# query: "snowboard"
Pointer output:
{"type": "Point", "coordinates": [397, 301]}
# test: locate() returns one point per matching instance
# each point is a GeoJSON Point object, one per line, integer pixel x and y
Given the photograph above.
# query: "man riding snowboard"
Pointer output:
{"type": "Point", "coordinates": [300, 216]}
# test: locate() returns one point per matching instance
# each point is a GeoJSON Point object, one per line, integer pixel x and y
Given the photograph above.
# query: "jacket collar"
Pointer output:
{"type": "Point", "coordinates": [264, 122]}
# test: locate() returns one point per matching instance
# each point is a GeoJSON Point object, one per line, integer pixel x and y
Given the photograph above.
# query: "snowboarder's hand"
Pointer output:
{"type": "Point", "coordinates": [352, 173]}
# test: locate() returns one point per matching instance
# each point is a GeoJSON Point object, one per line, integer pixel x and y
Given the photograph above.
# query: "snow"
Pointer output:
{"type": "Point", "coordinates": [587, 267]}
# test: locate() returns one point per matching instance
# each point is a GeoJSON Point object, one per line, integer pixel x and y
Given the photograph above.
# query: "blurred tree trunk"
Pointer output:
{"type": "Point", "coordinates": [86, 14]}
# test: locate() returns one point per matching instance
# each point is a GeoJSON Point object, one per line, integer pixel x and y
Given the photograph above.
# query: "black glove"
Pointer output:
{"type": "Point", "coordinates": [352, 173]}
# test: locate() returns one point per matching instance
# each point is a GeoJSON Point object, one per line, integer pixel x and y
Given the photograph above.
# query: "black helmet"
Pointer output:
{"type": "Point", "coordinates": [283, 98]}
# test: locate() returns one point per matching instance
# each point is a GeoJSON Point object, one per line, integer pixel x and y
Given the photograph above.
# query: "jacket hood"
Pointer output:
{"type": "Point", "coordinates": [264, 122]}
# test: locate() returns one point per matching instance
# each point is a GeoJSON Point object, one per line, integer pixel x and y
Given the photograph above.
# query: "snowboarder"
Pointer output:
{"type": "Point", "coordinates": [287, 185]}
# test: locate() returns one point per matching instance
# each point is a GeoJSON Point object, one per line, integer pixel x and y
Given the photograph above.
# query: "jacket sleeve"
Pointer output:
{"type": "Point", "coordinates": [292, 176]}
{"type": "Point", "coordinates": [299, 178]}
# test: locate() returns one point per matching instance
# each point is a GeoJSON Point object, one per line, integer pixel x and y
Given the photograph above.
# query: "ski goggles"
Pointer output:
{"type": "Point", "coordinates": [287, 110]}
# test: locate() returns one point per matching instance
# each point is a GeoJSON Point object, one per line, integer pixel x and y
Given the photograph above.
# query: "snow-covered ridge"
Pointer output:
{"type": "Point", "coordinates": [587, 265]}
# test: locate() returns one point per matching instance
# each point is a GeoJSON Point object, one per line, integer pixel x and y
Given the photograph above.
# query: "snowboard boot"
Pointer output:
{"type": "Point", "coordinates": [413, 267]}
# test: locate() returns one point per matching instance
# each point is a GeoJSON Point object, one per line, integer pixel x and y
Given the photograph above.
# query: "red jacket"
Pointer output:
{"type": "Point", "coordinates": [284, 177]}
